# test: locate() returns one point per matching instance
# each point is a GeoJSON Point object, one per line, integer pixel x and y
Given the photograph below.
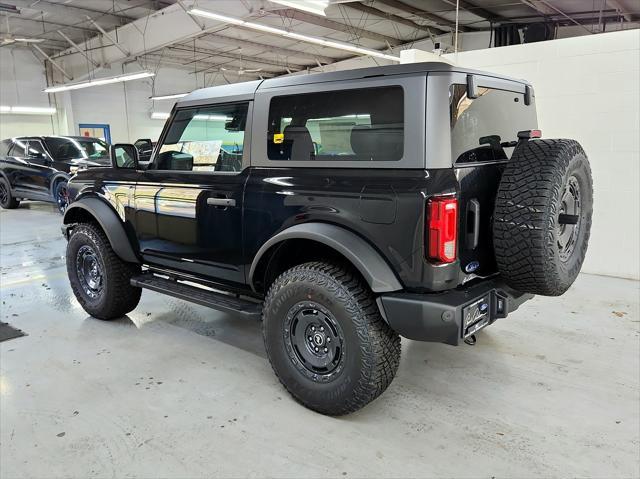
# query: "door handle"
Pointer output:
{"type": "Point", "coordinates": [473, 223]}
{"type": "Point", "coordinates": [221, 201]}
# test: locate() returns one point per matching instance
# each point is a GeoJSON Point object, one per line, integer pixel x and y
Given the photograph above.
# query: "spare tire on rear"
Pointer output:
{"type": "Point", "coordinates": [542, 216]}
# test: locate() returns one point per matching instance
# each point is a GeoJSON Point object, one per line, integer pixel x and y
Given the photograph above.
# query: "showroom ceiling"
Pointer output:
{"type": "Point", "coordinates": [52, 27]}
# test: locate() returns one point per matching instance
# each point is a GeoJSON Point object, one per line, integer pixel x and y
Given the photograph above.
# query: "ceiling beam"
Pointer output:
{"type": "Point", "coordinates": [546, 8]}
{"type": "Point", "coordinates": [438, 20]}
{"type": "Point", "coordinates": [478, 11]}
{"type": "Point", "coordinates": [286, 52]}
{"type": "Point", "coordinates": [394, 18]}
{"type": "Point", "coordinates": [77, 48]}
{"type": "Point", "coordinates": [83, 10]}
{"type": "Point", "coordinates": [53, 62]}
{"type": "Point", "coordinates": [58, 25]}
{"type": "Point", "coordinates": [236, 56]}
{"type": "Point", "coordinates": [340, 27]}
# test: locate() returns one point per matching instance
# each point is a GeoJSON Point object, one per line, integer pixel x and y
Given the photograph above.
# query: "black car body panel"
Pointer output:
{"type": "Point", "coordinates": [217, 226]}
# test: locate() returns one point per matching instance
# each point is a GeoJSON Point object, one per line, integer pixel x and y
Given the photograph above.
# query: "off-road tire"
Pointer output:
{"type": "Point", "coordinates": [117, 296]}
{"type": "Point", "coordinates": [371, 347]}
{"type": "Point", "coordinates": [7, 200]}
{"type": "Point", "coordinates": [527, 232]}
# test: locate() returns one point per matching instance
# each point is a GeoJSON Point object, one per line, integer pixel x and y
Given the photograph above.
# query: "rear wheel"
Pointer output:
{"type": "Point", "coordinates": [7, 200]}
{"type": "Point", "coordinates": [100, 280]}
{"type": "Point", "coordinates": [542, 217]}
{"type": "Point", "coordinates": [326, 340]}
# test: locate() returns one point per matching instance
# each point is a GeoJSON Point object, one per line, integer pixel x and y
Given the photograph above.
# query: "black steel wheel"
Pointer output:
{"type": "Point", "coordinates": [314, 341]}
{"type": "Point", "coordinates": [100, 280]}
{"type": "Point", "coordinates": [326, 340]}
{"type": "Point", "coordinates": [61, 196]}
{"type": "Point", "coordinates": [7, 201]}
{"type": "Point", "coordinates": [569, 219]}
{"type": "Point", "coordinates": [90, 271]}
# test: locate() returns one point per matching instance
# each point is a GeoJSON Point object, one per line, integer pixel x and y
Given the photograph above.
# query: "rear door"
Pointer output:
{"type": "Point", "coordinates": [16, 166]}
{"type": "Point", "coordinates": [483, 134]}
{"type": "Point", "coordinates": [40, 169]}
{"type": "Point", "coordinates": [189, 202]}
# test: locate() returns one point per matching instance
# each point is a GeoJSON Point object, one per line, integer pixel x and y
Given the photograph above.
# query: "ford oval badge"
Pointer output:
{"type": "Point", "coordinates": [471, 267]}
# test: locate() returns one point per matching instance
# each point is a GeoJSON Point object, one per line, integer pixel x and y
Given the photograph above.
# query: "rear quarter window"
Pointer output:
{"type": "Point", "coordinates": [4, 147]}
{"type": "Point", "coordinates": [486, 128]}
{"type": "Point", "coordinates": [345, 125]}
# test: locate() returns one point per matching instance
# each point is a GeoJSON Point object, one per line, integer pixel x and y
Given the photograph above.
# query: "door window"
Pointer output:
{"type": "Point", "coordinates": [346, 125]}
{"type": "Point", "coordinates": [205, 139]}
{"type": "Point", "coordinates": [35, 151]}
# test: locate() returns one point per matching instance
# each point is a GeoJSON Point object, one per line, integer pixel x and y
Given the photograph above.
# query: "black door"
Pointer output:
{"type": "Point", "coordinates": [16, 167]}
{"type": "Point", "coordinates": [40, 169]}
{"type": "Point", "coordinates": [189, 202]}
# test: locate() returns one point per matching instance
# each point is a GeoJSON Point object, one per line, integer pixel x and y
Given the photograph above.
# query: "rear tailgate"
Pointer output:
{"type": "Point", "coordinates": [483, 136]}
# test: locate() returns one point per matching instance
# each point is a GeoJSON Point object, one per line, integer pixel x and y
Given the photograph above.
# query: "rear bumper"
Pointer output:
{"type": "Point", "coordinates": [450, 316]}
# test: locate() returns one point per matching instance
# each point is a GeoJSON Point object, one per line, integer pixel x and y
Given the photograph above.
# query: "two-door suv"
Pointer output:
{"type": "Point", "coordinates": [38, 167]}
{"type": "Point", "coordinates": [345, 209]}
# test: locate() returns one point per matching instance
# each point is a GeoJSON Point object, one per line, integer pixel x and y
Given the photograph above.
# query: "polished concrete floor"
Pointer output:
{"type": "Point", "coordinates": [176, 390]}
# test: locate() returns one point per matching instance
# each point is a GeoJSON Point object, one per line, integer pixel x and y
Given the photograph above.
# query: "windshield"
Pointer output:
{"type": "Point", "coordinates": [78, 148]}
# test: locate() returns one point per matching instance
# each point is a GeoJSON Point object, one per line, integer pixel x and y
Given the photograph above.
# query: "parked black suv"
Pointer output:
{"type": "Point", "coordinates": [346, 210]}
{"type": "Point", "coordinates": [38, 167]}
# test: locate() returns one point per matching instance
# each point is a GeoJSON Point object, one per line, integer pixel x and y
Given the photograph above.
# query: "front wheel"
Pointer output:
{"type": "Point", "coordinates": [100, 280]}
{"type": "Point", "coordinates": [326, 340]}
{"type": "Point", "coordinates": [61, 196]}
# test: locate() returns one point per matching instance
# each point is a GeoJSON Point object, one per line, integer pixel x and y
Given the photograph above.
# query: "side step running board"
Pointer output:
{"type": "Point", "coordinates": [204, 297]}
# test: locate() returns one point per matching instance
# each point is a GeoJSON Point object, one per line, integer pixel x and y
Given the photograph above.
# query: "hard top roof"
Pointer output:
{"type": "Point", "coordinates": [235, 91]}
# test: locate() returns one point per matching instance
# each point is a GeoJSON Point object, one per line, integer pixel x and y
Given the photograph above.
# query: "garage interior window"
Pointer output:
{"type": "Point", "coordinates": [205, 139]}
{"type": "Point", "coordinates": [486, 128]}
{"type": "Point", "coordinates": [346, 125]}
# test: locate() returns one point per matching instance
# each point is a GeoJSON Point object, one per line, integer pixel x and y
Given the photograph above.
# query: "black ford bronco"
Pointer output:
{"type": "Point", "coordinates": [345, 210]}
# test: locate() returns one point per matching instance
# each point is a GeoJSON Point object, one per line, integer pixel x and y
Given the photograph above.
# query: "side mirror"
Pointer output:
{"type": "Point", "coordinates": [124, 155]}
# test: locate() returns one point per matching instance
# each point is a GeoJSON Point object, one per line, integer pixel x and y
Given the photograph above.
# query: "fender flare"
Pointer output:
{"type": "Point", "coordinates": [361, 254]}
{"type": "Point", "coordinates": [110, 223]}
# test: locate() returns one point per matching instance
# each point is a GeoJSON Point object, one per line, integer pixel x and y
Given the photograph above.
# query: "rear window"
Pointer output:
{"type": "Point", "coordinates": [345, 125]}
{"type": "Point", "coordinates": [18, 149]}
{"type": "Point", "coordinates": [486, 128]}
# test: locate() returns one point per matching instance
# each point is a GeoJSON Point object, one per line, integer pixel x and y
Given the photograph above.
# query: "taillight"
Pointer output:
{"type": "Point", "coordinates": [442, 229]}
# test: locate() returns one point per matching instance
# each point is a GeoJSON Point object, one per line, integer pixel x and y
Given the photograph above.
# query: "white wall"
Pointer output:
{"type": "Point", "coordinates": [588, 88]}
{"type": "Point", "coordinates": [19, 63]}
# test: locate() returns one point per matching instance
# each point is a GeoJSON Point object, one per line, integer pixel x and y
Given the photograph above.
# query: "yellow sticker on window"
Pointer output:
{"type": "Point", "coordinates": [278, 138]}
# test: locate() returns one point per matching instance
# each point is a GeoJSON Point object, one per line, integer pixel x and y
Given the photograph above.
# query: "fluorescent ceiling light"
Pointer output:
{"type": "Point", "coordinates": [159, 115]}
{"type": "Point", "coordinates": [27, 110]}
{"type": "Point", "coordinates": [99, 81]}
{"type": "Point", "coordinates": [168, 97]}
{"type": "Point", "coordinates": [297, 36]}
{"type": "Point", "coordinates": [311, 6]}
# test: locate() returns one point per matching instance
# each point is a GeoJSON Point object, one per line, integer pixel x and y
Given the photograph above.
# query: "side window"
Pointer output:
{"type": "Point", "coordinates": [205, 139]}
{"type": "Point", "coordinates": [5, 146]}
{"type": "Point", "coordinates": [18, 149]}
{"type": "Point", "coordinates": [486, 128]}
{"type": "Point", "coordinates": [347, 125]}
{"type": "Point", "coordinates": [35, 150]}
